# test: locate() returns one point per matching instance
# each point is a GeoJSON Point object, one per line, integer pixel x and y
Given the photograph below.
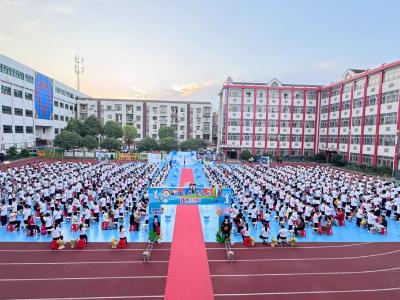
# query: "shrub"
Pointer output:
{"type": "Point", "coordinates": [245, 155]}
{"type": "Point", "coordinates": [24, 153]}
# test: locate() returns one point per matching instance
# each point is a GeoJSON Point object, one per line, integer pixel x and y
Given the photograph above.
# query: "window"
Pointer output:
{"type": "Point", "coordinates": [28, 113]}
{"type": "Point", "coordinates": [369, 140]}
{"type": "Point", "coordinates": [17, 93]}
{"type": "Point", "coordinates": [370, 120]}
{"type": "Point", "coordinates": [61, 105]}
{"type": "Point", "coordinates": [6, 110]}
{"type": "Point", "coordinates": [109, 107]}
{"type": "Point", "coordinates": [56, 130]}
{"type": "Point", "coordinates": [310, 110]}
{"type": "Point", "coordinates": [118, 107]}
{"type": "Point", "coordinates": [390, 97]}
{"type": "Point", "coordinates": [6, 90]}
{"type": "Point", "coordinates": [390, 118]}
{"type": "Point", "coordinates": [356, 121]}
{"type": "Point", "coordinates": [29, 129]}
{"type": "Point", "coordinates": [137, 118]}
{"type": "Point", "coordinates": [28, 78]}
{"type": "Point", "coordinates": [357, 103]}
{"type": "Point", "coordinates": [28, 96]}
{"type": "Point", "coordinates": [67, 118]}
{"type": "Point", "coordinates": [387, 140]}
{"type": "Point", "coordinates": [56, 103]}
{"type": "Point", "coordinates": [355, 139]}
{"type": "Point", "coordinates": [138, 108]}
{"type": "Point", "coordinates": [56, 117]}
{"type": "Point", "coordinates": [371, 100]}
{"type": "Point", "coordinates": [19, 129]}
{"type": "Point", "coordinates": [7, 129]}
{"type": "Point", "coordinates": [62, 118]}
{"type": "Point", "coordinates": [346, 105]}
{"type": "Point", "coordinates": [18, 111]}
{"type": "Point", "coordinates": [15, 73]}
{"type": "Point", "coordinates": [66, 106]}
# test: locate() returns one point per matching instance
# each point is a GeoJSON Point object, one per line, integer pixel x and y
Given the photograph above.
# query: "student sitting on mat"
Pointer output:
{"type": "Point", "coordinates": [282, 234]}
{"type": "Point", "coordinates": [264, 233]}
{"type": "Point", "coordinates": [82, 233]}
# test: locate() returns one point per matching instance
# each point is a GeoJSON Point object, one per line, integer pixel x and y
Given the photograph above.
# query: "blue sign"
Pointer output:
{"type": "Point", "coordinates": [43, 96]}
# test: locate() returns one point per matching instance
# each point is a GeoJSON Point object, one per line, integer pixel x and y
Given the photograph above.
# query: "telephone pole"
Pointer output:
{"type": "Point", "coordinates": [78, 69]}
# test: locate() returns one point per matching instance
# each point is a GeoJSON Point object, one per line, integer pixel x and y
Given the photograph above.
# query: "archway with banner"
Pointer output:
{"type": "Point", "coordinates": [159, 196]}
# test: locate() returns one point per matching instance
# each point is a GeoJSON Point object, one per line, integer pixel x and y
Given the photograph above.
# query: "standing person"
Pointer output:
{"type": "Point", "coordinates": [56, 233]}
{"type": "Point", "coordinates": [226, 228]}
{"type": "Point", "coordinates": [31, 226]}
{"type": "Point", "coordinates": [3, 213]}
{"type": "Point", "coordinates": [122, 234]}
{"type": "Point", "coordinates": [156, 228]}
{"type": "Point", "coordinates": [82, 233]}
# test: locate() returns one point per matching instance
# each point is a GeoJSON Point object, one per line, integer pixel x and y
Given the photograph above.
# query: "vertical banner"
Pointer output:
{"type": "Point", "coordinates": [43, 97]}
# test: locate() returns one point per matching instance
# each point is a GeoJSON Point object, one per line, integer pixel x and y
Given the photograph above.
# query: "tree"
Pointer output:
{"type": "Point", "coordinates": [192, 144]}
{"type": "Point", "coordinates": [67, 140]}
{"type": "Point", "coordinates": [110, 144]}
{"type": "Point", "coordinates": [246, 155]}
{"type": "Point", "coordinates": [112, 130]}
{"type": "Point", "coordinates": [75, 125]}
{"type": "Point", "coordinates": [24, 153]}
{"type": "Point", "coordinates": [130, 134]}
{"type": "Point", "coordinates": [166, 131]}
{"type": "Point", "coordinates": [12, 153]}
{"type": "Point", "coordinates": [168, 144]}
{"type": "Point", "coordinates": [91, 126]}
{"type": "Point", "coordinates": [89, 142]}
{"type": "Point", "coordinates": [147, 144]}
{"type": "Point", "coordinates": [337, 159]}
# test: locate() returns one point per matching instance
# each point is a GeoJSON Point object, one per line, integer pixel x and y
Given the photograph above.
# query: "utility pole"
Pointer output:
{"type": "Point", "coordinates": [78, 69]}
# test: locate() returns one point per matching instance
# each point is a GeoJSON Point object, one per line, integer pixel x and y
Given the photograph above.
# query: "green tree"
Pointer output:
{"type": "Point", "coordinates": [166, 131]}
{"type": "Point", "coordinates": [91, 126]}
{"type": "Point", "coordinates": [130, 134]}
{"type": "Point", "coordinates": [67, 140]}
{"type": "Point", "coordinates": [110, 144]}
{"type": "Point", "coordinates": [168, 144]}
{"type": "Point", "coordinates": [147, 144]}
{"type": "Point", "coordinates": [112, 130]}
{"type": "Point", "coordinates": [245, 155]}
{"type": "Point", "coordinates": [24, 153]}
{"type": "Point", "coordinates": [75, 125]}
{"type": "Point", "coordinates": [89, 142]}
{"type": "Point", "coordinates": [192, 144]}
{"type": "Point", "coordinates": [337, 159]}
{"type": "Point", "coordinates": [12, 153]}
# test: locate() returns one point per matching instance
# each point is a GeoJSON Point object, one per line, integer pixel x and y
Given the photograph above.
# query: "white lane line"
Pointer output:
{"type": "Point", "coordinates": [307, 259]}
{"type": "Point", "coordinates": [89, 298]}
{"type": "Point", "coordinates": [81, 262]}
{"type": "Point", "coordinates": [311, 273]}
{"type": "Point", "coordinates": [82, 251]}
{"type": "Point", "coordinates": [309, 292]}
{"type": "Point", "coordinates": [311, 247]}
{"type": "Point", "coordinates": [82, 278]}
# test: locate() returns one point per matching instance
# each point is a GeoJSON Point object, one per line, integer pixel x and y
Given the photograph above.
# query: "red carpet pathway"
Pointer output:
{"type": "Point", "coordinates": [186, 176]}
{"type": "Point", "coordinates": [188, 273]}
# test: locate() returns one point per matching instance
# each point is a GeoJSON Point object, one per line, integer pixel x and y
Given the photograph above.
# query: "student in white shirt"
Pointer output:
{"type": "Point", "coordinates": [264, 234]}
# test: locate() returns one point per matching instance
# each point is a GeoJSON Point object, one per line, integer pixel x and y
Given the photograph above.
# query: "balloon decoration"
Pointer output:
{"type": "Point", "coordinates": [216, 191]}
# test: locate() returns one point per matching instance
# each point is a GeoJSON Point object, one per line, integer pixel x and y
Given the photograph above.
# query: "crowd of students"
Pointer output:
{"type": "Point", "coordinates": [44, 197]}
{"type": "Point", "coordinates": [298, 196]}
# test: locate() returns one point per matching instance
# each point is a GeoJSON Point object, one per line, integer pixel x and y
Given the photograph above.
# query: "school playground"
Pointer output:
{"type": "Point", "coordinates": [188, 263]}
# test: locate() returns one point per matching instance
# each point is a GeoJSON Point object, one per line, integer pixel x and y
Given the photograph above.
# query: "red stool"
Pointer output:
{"type": "Point", "coordinates": [247, 241]}
{"type": "Point", "coordinates": [53, 245]}
{"type": "Point", "coordinates": [43, 230]}
{"type": "Point", "coordinates": [328, 231]}
{"type": "Point", "coordinates": [81, 244]}
{"type": "Point", "coordinates": [383, 230]}
{"type": "Point", "coordinates": [122, 244]}
{"type": "Point", "coordinates": [302, 233]}
{"type": "Point", "coordinates": [104, 225]}
{"type": "Point", "coordinates": [132, 228]}
{"type": "Point", "coordinates": [341, 222]}
{"type": "Point", "coordinates": [10, 227]}
{"type": "Point", "coordinates": [74, 227]}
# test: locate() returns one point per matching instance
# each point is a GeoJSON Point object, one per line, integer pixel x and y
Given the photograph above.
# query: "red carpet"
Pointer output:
{"type": "Point", "coordinates": [188, 273]}
{"type": "Point", "coordinates": [186, 176]}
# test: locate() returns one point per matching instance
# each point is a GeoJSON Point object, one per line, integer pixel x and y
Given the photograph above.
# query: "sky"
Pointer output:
{"type": "Point", "coordinates": [185, 50]}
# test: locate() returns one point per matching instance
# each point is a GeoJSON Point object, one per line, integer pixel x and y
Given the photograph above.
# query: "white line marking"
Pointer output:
{"type": "Point", "coordinates": [308, 292]}
{"type": "Point", "coordinates": [81, 262]}
{"type": "Point", "coordinates": [311, 247]}
{"type": "Point", "coordinates": [306, 259]}
{"type": "Point", "coordinates": [89, 298]}
{"type": "Point", "coordinates": [82, 278]}
{"type": "Point", "coordinates": [312, 273]}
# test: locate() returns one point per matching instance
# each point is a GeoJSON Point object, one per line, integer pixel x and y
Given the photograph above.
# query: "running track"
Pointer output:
{"type": "Point", "coordinates": [308, 271]}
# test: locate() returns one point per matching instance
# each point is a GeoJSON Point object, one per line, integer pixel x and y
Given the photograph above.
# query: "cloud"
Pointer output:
{"type": "Point", "coordinates": [327, 65]}
{"type": "Point", "coordinates": [142, 93]}
{"type": "Point", "coordinates": [190, 88]}
{"type": "Point", "coordinates": [30, 27]}
{"type": "Point", "coordinates": [63, 10]}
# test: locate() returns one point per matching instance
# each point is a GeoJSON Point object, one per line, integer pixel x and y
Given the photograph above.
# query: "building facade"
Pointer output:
{"type": "Point", "coordinates": [33, 106]}
{"type": "Point", "coordinates": [189, 119]}
{"type": "Point", "coordinates": [357, 117]}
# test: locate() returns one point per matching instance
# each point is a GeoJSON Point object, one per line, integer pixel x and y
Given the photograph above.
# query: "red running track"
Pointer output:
{"type": "Point", "coordinates": [309, 271]}
{"type": "Point", "coordinates": [186, 177]}
{"type": "Point", "coordinates": [32, 271]}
